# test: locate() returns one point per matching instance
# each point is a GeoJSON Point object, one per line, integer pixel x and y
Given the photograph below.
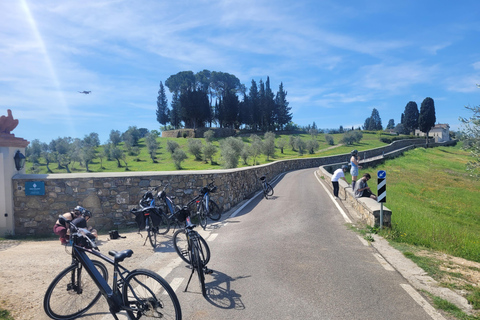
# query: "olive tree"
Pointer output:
{"type": "Point", "coordinates": [471, 139]}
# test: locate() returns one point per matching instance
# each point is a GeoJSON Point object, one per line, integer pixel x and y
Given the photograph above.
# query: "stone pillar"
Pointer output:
{"type": "Point", "coordinates": [9, 145]}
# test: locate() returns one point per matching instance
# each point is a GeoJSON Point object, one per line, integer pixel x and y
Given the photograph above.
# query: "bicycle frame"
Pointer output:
{"type": "Point", "coordinates": [112, 295]}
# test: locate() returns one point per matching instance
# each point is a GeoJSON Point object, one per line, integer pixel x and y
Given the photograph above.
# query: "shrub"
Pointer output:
{"type": "Point", "coordinates": [195, 148]}
{"type": "Point", "coordinates": [209, 150]}
{"type": "Point", "coordinates": [172, 146]}
{"type": "Point", "coordinates": [178, 156]}
{"type": "Point", "coordinates": [329, 139]}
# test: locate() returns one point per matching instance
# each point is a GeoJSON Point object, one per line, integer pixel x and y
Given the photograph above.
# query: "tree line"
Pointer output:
{"type": "Point", "coordinates": [209, 97]}
{"type": "Point", "coordinates": [411, 119]}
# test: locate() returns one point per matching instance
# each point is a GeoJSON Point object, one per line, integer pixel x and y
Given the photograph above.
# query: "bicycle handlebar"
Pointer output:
{"type": "Point", "coordinates": [81, 232]}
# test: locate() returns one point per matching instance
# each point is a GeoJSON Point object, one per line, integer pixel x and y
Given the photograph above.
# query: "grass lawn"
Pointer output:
{"type": "Point", "coordinates": [164, 162]}
{"type": "Point", "coordinates": [434, 201]}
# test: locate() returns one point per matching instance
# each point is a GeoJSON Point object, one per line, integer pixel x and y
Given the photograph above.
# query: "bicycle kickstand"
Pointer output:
{"type": "Point", "coordinates": [191, 274]}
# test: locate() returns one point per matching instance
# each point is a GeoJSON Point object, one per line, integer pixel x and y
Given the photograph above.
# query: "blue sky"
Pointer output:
{"type": "Point", "coordinates": [337, 59]}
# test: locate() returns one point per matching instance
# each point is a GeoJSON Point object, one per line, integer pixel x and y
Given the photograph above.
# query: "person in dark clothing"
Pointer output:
{"type": "Point", "coordinates": [362, 189]}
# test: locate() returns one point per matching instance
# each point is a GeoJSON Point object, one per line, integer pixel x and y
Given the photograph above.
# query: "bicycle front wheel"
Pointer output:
{"type": "Point", "coordinates": [269, 190]}
{"type": "Point", "coordinates": [180, 243]}
{"type": "Point", "coordinates": [72, 292]}
{"type": "Point", "coordinates": [146, 295]}
{"type": "Point", "coordinates": [214, 211]}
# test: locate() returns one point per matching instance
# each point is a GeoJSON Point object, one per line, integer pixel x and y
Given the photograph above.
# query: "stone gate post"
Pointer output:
{"type": "Point", "coordinates": [9, 145]}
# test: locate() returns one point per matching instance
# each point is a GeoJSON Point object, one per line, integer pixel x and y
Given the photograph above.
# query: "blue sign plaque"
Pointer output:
{"type": "Point", "coordinates": [34, 188]}
{"type": "Point", "coordinates": [381, 174]}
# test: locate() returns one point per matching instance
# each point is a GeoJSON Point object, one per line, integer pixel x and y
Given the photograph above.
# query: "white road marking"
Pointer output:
{"type": "Point", "coordinates": [176, 282]}
{"type": "Point", "coordinates": [167, 269]}
{"type": "Point", "coordinates": [212, 236]}
{"type": "Point", "coordinates": [347, 219]}
{"type": "Point", "coordinates": [383, 262]}
{"type": "Point", "coordinates": [363, 241]}
{"type": "Point", "coordinates": [422, 302]}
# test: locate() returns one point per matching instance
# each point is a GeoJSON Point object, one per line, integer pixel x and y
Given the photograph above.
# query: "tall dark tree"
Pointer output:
{"type": "Point", "coordinates": [269, 107]}
{"type": "Point", "coordinates": [254, 106]}
{"type": "Point", "coordinates": [427, 118]}
{"type": "Point", "coordinates": [194, 108]}
{"type": "Point", "coordinates": [375, 121]}
{"type": "Point", "coordinates": [261, 104]}
{"type": "Point", "coordinates": [163, 112]}
{"type": "Point", "coordinates": [231, 109]}
{"type": "Point", "coordinates": [174, 114]}
{"type": "Point", "coordinates": [410, 117]}
{"type": "Point", "coordinates": [391, 124]}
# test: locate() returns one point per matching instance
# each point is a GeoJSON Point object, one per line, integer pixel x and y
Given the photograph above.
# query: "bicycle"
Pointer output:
{"type": "Point", "coordinates": [207, 208]}
{"type": "Point", "coordinates": [142, 293]}
{"type": "Point", "coordinates": [193, 249]}
{"type": "Point", "coordinates": [266, 187]}
{"type": "Point", "coordinates": [150, 218]}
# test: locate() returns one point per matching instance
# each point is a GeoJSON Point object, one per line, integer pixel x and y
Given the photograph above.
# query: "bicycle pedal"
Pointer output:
{"type": "Point", "coordinates": [208, 271]}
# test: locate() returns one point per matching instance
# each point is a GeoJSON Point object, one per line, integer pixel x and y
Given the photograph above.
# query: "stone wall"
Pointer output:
{"type": "Point", "coordinates": [111, 196]}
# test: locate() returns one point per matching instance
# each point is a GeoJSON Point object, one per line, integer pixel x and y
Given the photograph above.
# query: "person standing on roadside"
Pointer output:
{"type": "Point", "coordinates": [337, 175]}
{"type": "Point", "coordinates": [354, 167]}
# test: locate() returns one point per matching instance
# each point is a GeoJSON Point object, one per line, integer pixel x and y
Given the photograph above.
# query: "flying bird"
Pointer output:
{"type": "Point", "coordinates": [85, 92]}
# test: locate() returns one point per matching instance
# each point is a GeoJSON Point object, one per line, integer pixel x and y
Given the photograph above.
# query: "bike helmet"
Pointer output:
{"type": "Point", "coordinates": [79, 210]}
{"type": "Point", "coordinates": [345, 167]}
{"type": "Point", "coordinates": [86, 213]}
{"type": "Point", "coordinates": [354, 152]}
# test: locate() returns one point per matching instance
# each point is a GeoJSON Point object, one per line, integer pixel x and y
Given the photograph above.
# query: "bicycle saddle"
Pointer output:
{"type": "Point", "coordinates": [189, 224]}
{"type": "Point", "coordinates": [120, 256]}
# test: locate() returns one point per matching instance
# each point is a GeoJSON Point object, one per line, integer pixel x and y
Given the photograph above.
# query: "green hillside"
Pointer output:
{"type": "Point", "coordinates": [163, 161]}
{"type": "Point", "coordinates": [434, 200]}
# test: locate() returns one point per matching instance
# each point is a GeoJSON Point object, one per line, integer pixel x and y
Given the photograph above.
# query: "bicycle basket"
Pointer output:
{"type": "Point", "coordinates": [81, 240]}
{"type": "Point", "coordinates": [182, 215]}
{"type": "Point", "coordinates": [155, 215]}
{"type": "Point", "coordinates": [139, 218]}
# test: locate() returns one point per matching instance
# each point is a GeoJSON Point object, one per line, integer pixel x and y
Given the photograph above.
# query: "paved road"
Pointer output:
{"type": "Point", "coordinates": [291, 257]}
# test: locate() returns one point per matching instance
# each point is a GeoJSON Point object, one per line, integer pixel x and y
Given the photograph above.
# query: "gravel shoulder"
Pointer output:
{"type": "Point", "coordinates": [28, 267]}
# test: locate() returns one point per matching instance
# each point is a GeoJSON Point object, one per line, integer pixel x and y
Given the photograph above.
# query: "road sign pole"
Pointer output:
{"type": "Point", "coordinates": [382, 192]}
{"type": "Point", "coordinates": [381, 215]}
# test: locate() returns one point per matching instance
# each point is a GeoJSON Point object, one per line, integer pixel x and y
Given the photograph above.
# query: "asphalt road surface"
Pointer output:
{"type": "Point", "coordinates": [293, 257]}
{"type": "Point", "coordinates": [289, 257]}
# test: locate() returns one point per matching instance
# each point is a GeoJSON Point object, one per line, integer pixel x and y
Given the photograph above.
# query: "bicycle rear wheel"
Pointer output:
{"type": "Point", "coordinates": [199, 265]}
{"type": "Point", "coordinates": [164, 225]}
{"type": "Point", "coordinates": [202, 215]}
{"type": "Point", "coordinates": [152, 233]}
{"type": "Point", "coordinates": [72, 292]}
{"type": "Point", "coordinates": [180, 243]}
{"type": "Point", "coordinates": [214, 211]}
{"type": "Point", "coordinates": [149, 296]}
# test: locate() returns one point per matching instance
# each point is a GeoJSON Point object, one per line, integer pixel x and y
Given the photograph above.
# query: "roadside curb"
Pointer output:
{"type": "Point", "coordinates": [416, 276]}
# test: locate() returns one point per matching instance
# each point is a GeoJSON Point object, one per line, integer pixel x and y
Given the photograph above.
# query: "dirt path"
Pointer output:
{"type": "Point", "coordinates": [28, 267]}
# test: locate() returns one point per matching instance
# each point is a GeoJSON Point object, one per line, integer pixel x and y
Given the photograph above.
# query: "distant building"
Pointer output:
{"type": "Point", "coordinates": [441, 133]}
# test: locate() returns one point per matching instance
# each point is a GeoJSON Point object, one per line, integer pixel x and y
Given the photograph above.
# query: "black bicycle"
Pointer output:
{"type": "Point", "coordinates": [142, 293]}
{"type": "Point", "coordinates": [151, 218]}
{"type": "Point", "coordinates": [266, 187]}
{"type": "Point", "coordinates": [193, 249]}
{"type": "Point", "coordinates": [206, 207]}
